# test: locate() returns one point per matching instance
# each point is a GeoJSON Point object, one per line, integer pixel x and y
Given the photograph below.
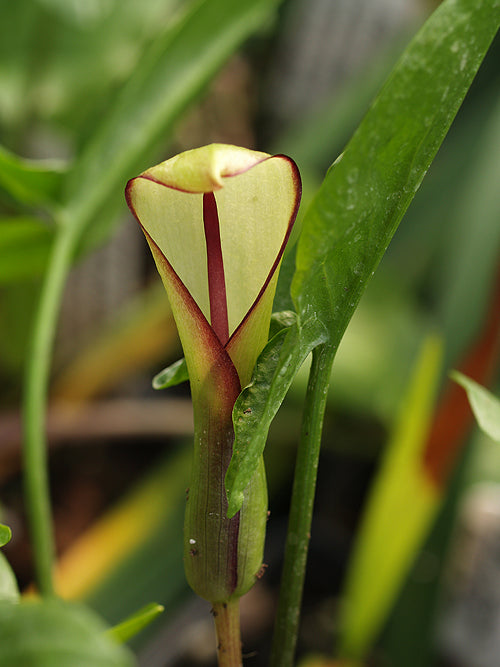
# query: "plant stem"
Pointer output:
{"type": "Point", "coordinates": [227, 628]}
{"type": "Point", "coordinates": [301, 510]}
{"type": "Point", "coordinates": [35, 396]}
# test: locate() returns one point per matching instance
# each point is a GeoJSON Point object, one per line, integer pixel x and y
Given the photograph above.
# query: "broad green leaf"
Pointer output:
{"type": "Point", "coordinates": [368, 189]}
{"type": "Point", "coordinates": [25, 245]}
{"type": "Point", "coordinates": [9, 590]}
{"type": "Point", "coordinates": [352, 219]}
{"type": "Point", "coordinates": [29, 181]}
{"type": "Point", "coordinates": [50, 632]}
{"type": "Point", "coordinates": [135, 623]}
{"type": "Point", "coordinates": [171, 376]}
{"type": "Point", "coordinates": [485, 406]}
{"type": "Point", "coordinates": [5, 535]}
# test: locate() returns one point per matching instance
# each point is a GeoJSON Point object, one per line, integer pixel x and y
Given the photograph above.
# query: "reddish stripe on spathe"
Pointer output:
{"type": "Point", "coordinates": [215, 265]}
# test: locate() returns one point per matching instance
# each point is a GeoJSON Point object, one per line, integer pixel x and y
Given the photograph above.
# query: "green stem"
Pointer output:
{"type": "Point", "coordinates": [35, 397]}
{"type": "Point", "coordinates": [227, 628]}
{"type": "Point", "coordinates": [301, 510]}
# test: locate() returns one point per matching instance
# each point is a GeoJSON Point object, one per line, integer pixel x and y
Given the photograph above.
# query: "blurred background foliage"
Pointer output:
{"type": "Point", "coordinates": [119, 457]}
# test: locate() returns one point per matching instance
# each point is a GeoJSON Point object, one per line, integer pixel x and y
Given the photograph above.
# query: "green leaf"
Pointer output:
{"type": "Point", "coordinates": [353, 217]}
{"type": "Point", "coordinates": [171, 376]}
{"type": "Point", "coordinates": [9, 590]}
{"type": "Point", "coordinates": [258, 403]}
{"type": "Point", "coordinates": [25, 245]}
{"type": "Point", "coordinates": [5, 535]}
{"type": "Point", "coordinates": [368, 189]}
{"type": "Point", "coordinates": [135, 623]}
{"type": "Point", "coordinates": [485, 406]}
{"type": "Point", "coordinates": [28, 181]}
{"type": "Point", "coordinates": [49, 633]}
{"type": "Point", "coordinates": [282, 320]}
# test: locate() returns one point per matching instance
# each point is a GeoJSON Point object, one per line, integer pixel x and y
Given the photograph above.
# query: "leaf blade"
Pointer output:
{"type": "Point", "coordinates": [366, 192]}
{"type": "Point", "coordinates": [132, 625]}
{"type": "Point", "coordinates": [9, 590]}
{"type": "Point", "coordinates": [258, 403]}
{"type": "Point", "coordinates": [485, 406]}
{"type": "Point", "coordinates": [60, 633]}
{"type": "Point", "coordinates": [5, 535]}
{"type": "Point", "coordinates": [171, 376]}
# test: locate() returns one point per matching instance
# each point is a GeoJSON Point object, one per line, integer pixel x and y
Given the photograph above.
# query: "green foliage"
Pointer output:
{"type": "Point", "coordinates": [110, 79]}
{"type": "Point", "coordinates": [485, 406]}
{"type": "Point", "coordinates": [9, 590]}
{"type": "Point", "coordinates": [5, 535]}
{"type": "Point", "coordinates": [252, 406]}
{"type": "Point", "coordinates": [135, 623]}
{"type": "Point", "coordinates": [367, 190]}
{"type": "Point", "coordinates": [175, 374]}
{"type": "Point", "coordinates": [51, 632]}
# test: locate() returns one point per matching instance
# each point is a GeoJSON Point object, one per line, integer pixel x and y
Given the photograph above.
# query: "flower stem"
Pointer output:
{"type": "Point", "coordinates": [35, 396]}
{"type": "Point", "coordinates": [227, 628]}
{"type": "Point", "coordinates": [301, 510]}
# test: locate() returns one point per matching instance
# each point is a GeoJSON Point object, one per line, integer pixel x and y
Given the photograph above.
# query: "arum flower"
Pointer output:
{"type": "Point", "coordinates": [217, 220]}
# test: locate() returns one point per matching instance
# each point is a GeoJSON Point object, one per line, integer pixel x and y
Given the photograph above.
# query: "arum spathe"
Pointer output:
{"type": "Point", "coordinates": [217, 220]}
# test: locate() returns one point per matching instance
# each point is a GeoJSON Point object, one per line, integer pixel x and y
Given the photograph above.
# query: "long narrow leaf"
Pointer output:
{"type": "Point", "coordinates": [133, 624]}
{"type": "Point", "coordinates": [366, 192]}
{"type": "Point", "coordinates": [368, 189]}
